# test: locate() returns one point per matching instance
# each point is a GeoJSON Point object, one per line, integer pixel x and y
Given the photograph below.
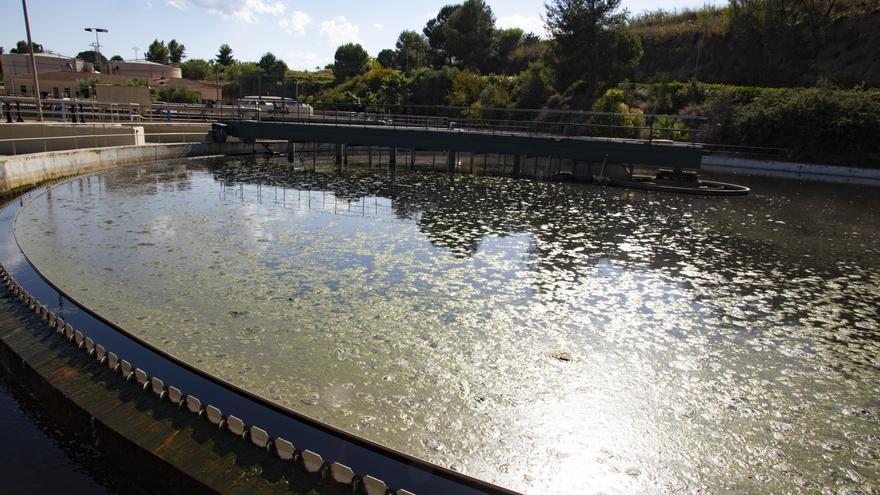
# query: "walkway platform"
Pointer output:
{"type": "Point", "coordinates": [648, 154]}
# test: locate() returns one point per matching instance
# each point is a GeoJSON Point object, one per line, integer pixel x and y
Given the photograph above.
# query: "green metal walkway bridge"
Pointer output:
{"type": "Point", "coordinates": [581, 137]}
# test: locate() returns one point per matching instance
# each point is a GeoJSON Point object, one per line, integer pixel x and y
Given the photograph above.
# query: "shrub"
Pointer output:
{"type": "Point", "coordinates": [815, 124]}
{"type": "Point", "coordinates": [175, 94]}
{"type": "Point", "coordinates": [667, 127]}
{"type": "Point", "coordinates": [618, 118]}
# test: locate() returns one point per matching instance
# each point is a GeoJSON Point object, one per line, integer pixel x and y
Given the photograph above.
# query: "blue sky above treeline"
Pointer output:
{"type": "Point", "coordinates": [304, 33]}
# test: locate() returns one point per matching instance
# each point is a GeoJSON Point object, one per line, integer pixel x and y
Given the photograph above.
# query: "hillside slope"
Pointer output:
{"type": "Point", "coordinates": [850, 54]}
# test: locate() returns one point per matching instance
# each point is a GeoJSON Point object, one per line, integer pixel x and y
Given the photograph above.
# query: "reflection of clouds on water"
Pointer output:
{"type": "Point", "coordinates": [537, 335]}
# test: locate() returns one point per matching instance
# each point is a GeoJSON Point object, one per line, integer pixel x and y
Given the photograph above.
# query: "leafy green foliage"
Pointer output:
{"type": "Point", "coordinates": [158, 52]}
{"type": "Point", "coordinates": [618, 119]}
{"type": "Point", "coordinates": [493, 99]}
{"type": "Point", "coordinates": [350, 60]}
{"type": "Point", "coordinates": [468, 33]}
{"type": "Point", "coordinates": [176, 52]}
{"type": "Point", "coordinates": [239, 69]}
{"type": "Point", "coordinates": [666, 127]}
{"type": "Point", "coordinates": [434, 32]}
{"type": "Point", "coordinates": [196, 69]}
{"type": "Point", "coordinates": [466, 88]}
{"type": "Point", "coordinates": [393, 90]}
{"type": "Point", "coordinates": [272, 65]}
{"type": "Point", "coordinates": [86, 87]}
{"type": "Point", "coordinates": [413, 52]}
{"type": "Point", "coordinates": [373, 87]}
{"type": "Point", "coordinates": [176, 94]}
{"type": "Point", "coordinates": [590, 43]}
{"type": "Point", "coordinates": [432, 86]}
{"type": "Point", "coordinates": [22, 47]}
{"type": "Point", "coordinates": [224, 56]}
{"type": "Point", "coordinates": [504, 43]}
{"type": "Point", "coordinates": [816, 124]}
{"type": "Point", "coordinates": [533, 86]}
{"type": "Point", "coordinates": [386, 58]}
{"type": "Point", "coordinates": [93, 57]}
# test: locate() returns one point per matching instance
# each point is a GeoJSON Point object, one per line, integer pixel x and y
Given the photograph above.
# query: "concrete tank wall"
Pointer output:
{"type": "Point", "coordinates": [21, 138]}
{"type": "Point", "coordinates": [162, 132]}
{"type": "Point", "coordinates": [23, 170]}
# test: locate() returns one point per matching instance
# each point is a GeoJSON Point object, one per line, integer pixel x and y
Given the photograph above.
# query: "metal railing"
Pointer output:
{"type": "Point", "coordinates": [558, 123]}
{"type": "Point", "coordinates": [544, 122]}
{"type": "Point", "coordinates": [539, 122]}
{"type": "Point", "coordinates": [97, 140]}
{"type": "Point", "coordinates": [75, 110]}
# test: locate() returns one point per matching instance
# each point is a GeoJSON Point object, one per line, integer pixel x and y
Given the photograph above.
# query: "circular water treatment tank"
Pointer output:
{"type": "Point", "coordinates": [539, 336]}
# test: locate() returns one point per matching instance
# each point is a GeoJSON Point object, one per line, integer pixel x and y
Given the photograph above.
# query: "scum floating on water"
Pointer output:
{"type": "Point", "coordinates": [721, 344]}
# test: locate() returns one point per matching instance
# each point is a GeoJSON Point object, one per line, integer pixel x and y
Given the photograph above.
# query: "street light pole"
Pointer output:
{"type": "Point", "coordinates": [97, 44]}
{"type": "Point", "coordinates": [27, 27]}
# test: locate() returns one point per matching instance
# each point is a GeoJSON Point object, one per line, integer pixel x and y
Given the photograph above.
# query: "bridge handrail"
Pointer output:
{"type": "Point", "coordinates": [551, 122]}
{"type": "Point", "coordinates": [96, 137]}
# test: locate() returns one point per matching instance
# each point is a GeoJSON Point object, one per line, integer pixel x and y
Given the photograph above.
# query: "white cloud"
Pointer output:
{"type": "Point", "coordinates": [305, 60]}
{"type": "Point", "coordinates": [339, 31]}
{"type": "Point", "coordinates": [527, 24]}
{"type": "Point", "coordinates": [296, 23]}
{"type": "Point", "coordinates": [243, 10]}
{"type": "Point", "coordinates": [378, 26]}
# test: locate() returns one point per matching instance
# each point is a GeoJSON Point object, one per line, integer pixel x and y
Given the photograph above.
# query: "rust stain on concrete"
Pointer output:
{"type": "Point", "coordinates": [166, 443]}
{"type": "Point", "coordinates": [64, 373]}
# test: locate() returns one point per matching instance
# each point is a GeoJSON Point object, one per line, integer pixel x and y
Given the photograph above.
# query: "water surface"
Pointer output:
{"type": "Point", "coordinates": [38, 456]}
{"type": "Point", "coordinates": [550, 338]}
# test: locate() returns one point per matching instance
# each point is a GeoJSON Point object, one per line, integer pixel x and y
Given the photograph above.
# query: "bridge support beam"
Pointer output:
{"type": "Point", "coordinates": [339, 150]}
{"type": "Point", "coordinates": [291, 151]}
{"type": "Point", "coordinates": [517, 165]}
{"type": "Point", "coordinates": [450, 162]}
{"type": "Point", "coordinates": [392, 159]}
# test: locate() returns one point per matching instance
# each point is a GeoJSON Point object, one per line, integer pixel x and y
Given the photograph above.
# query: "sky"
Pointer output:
{"type": "Point", "coordinates": [304, 33]}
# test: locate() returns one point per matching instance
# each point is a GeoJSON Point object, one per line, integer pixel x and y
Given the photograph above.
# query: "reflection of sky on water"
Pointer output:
{"type": "Point", "coordinates": [726, 345]}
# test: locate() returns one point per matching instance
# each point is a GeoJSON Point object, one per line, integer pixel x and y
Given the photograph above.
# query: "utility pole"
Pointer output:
{"type": "Point", "coordinates": [217, 81]}
{"type": "Point", "coordinates": [27, 27]}
{"type": "Point", "coordinates": [136, 50]}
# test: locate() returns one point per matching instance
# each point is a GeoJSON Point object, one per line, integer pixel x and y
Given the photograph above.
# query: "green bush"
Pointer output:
{"type": "Point", "coordinates": [196, 69]}
{"type": "Point", "coordinates": [619, 119]}
{"type": "Point", "coordinates": [379, 86]}
{"type": "Point", "coordinates": [667, 127]}
{"type": "Point", "coordinates": [174, 94]}
{"type": "Point", "coordinates": [815, 124]}
{"type": "Point", "coordinates": [432, 86]}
